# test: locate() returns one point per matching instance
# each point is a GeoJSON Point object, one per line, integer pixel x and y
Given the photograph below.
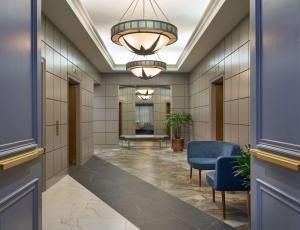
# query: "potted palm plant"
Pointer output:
{"type": "Point", "coordinates": [176, 121]}
{"type": "Point", "coordinates": [242, 168]}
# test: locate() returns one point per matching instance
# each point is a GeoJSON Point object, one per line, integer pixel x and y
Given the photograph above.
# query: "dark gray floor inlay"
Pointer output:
{"type": "Point", "coordinates": [141, 203]}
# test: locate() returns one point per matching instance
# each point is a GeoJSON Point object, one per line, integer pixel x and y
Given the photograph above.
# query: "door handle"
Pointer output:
{"type": "Point", "coordinates": [272, 158]}
{"type": "Point", "coordinates": [15, 160]}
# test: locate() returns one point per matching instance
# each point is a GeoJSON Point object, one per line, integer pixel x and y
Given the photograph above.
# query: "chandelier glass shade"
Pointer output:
{"type": "Point", "coordinates": [144, 94]}
{"type": "Point", "coordinates": [144, 97]}
{"type": "Point", "coordinates": [144, 37]}
{"type": "Point", "coordinates": [146, 69]}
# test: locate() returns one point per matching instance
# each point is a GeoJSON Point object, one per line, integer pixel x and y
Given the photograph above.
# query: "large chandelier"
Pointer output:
{"type": "Point", "coordinates": [146, 69]}
{"type": "Point", "coordinates": [144, 94]}
{"type": "Point", "coordinates": [144, 36]}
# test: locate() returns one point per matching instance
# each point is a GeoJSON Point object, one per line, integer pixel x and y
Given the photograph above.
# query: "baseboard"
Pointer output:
{"type": "Point", "coordinates": [53, 180]}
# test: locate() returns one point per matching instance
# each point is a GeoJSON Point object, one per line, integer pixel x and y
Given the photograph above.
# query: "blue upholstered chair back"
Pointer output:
{"type": "Point", "coordinates": [224, 176]}
{"type": "Point", "coordinates": [211, 149]}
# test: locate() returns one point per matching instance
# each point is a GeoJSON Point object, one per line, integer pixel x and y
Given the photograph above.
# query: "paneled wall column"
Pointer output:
{"type": "Point", "coordinates": [63, 61]}
{"type": "Point", "coordinates": [230, 60]}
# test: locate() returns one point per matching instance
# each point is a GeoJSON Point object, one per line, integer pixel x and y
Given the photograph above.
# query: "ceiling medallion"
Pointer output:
{"type": "Point", "coordinates": [146, 69]}
{"type": "Point", "coordinates": [144, 94]}
{"type": "Point", "coordinates": [144, 36]}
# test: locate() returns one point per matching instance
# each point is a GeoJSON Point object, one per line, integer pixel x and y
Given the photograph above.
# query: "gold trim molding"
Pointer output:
{"type": "Point", "coordinates": [270, 157]}
{"type": "Point", "coordinates": [15, 160]}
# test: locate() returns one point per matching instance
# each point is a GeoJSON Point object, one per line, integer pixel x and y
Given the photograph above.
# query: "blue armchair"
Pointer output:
{"type": "Point", "coordinates": [222, 179]}
{"type": "Point", "coordinates": [202, 155]}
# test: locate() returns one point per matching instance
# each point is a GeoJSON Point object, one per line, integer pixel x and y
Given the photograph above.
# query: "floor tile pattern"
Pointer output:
{"type": "Point", "coordinates": [146, 206]}
{"type": "Point", "coordinates": [169, 172]}
{"type": "Point", "coordinates": [69, 206]}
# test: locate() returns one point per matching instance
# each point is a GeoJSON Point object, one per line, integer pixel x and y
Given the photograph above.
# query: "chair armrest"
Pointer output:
{"type": "Point", "coordinates": [224, 177]}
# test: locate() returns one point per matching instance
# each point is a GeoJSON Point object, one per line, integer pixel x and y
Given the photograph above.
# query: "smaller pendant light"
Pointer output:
{"type": "Point", "coordinates": [146, 69]}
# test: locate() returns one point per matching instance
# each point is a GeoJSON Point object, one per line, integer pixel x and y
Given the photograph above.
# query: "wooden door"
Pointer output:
{"type": "Point", "coordinates": [219, 111]}
{"type": "Point", "coordinates": [72, 113]}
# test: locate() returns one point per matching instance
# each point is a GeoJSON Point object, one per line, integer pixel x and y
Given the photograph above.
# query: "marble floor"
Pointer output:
{"type": "Point", "coordinates": [145, 205]}
{"type": "Point", "coordinates": [69, 206]}
{"type": "Point", "coordinates": [169, 172]}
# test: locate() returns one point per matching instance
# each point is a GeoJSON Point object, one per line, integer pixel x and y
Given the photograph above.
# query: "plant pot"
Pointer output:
{"type": "Point", "coordinates": [177, 145]}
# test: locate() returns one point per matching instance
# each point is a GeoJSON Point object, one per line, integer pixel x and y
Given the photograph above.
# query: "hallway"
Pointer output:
{"type": "Point", "coordinates": [149, 115]}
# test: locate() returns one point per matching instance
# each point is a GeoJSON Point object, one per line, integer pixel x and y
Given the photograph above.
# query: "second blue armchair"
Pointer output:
{"type": "Point", "coordinates": [223, 179]}
{"type": "Point", "coordinates": [202, 155]}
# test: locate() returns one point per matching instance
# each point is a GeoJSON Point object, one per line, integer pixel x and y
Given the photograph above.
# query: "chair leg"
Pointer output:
{"type": "Point", "coordinates": [200, 178]}
{"type": "Point", "coordinates": [223, 205]}
{"type": "Point", "coordinates": [213, 195]}
{"type": "Point", "coordinates": [249, 206]}
{"type": "Point", "coordinates": [191, 173]}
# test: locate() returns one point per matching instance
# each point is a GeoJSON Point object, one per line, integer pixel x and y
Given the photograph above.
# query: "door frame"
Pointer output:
{"type": "Point", "coordinates": [78, 118]}
{"type": "Point", "coordinates": [120, 119]}
{"type": "Point", "coordinates": [43, 138]}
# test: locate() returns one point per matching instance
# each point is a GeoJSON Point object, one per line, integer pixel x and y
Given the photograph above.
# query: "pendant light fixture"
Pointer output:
{"type": "Point", "coordinates": [144, 36]}
{"type": "Point", "coordinates": [146, 69]}
{"type": "Point", "coordinates": [144, 94]}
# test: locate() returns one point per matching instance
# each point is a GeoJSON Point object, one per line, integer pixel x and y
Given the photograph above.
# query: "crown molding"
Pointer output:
{"type": "Point", "coordinates": [211, 11]}
{"type": "Point", "coordinates": [87, 23]}
{"type": "Point", "coordinates": [84, 18]}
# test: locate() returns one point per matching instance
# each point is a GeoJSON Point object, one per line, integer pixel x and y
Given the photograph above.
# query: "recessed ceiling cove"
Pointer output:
{"type": "Point", "coordinates": [184, 14]}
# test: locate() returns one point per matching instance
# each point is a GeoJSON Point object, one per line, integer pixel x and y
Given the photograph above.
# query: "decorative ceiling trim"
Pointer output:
{"type": "Point", "coordinates": [87, 23]}
{"type": "Point", "coordinates": [84, 18]}
{"type": "Point", "coordinates": [211, 11]}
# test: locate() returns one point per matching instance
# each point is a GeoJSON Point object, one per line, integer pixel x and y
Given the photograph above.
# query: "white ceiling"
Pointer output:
{"type": "Point", "coordinates": [73, 20]}
{"type": "Point", "coordinates": [186, 15]}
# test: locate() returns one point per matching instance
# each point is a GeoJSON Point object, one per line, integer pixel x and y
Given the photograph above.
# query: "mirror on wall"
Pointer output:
{"type": "Point", "coordinates": [142, 109]}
